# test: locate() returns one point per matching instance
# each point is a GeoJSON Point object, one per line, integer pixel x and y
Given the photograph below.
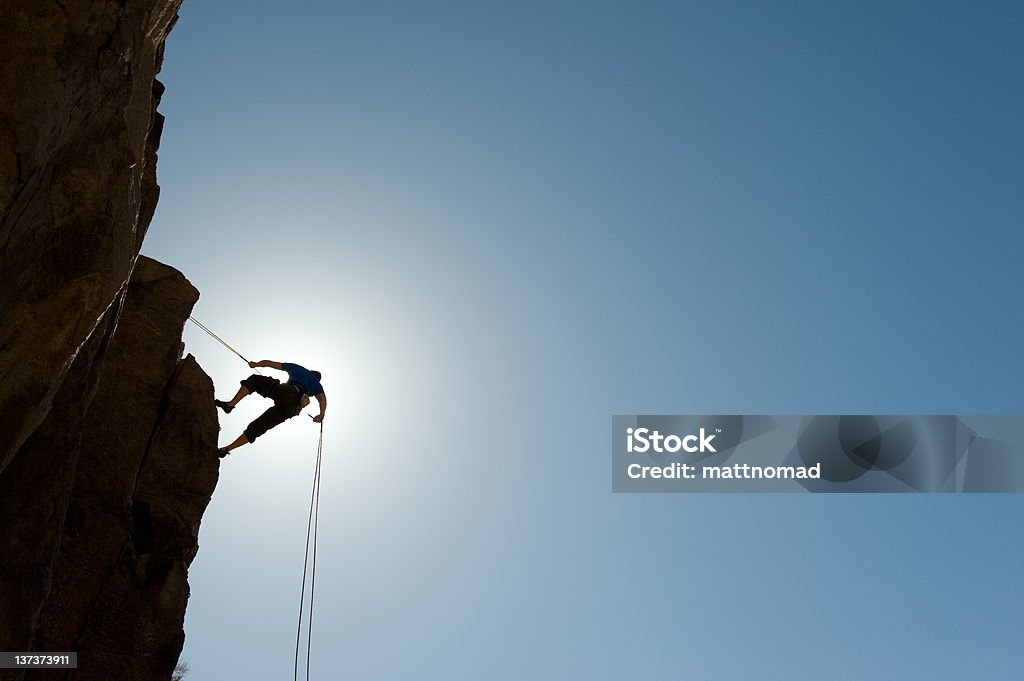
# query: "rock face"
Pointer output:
{"type": "Point", "coordinates": [107, 435]}
{"type": "Point", "coordinates": [78, 139]}
{"type": "Point", "coordinates": [144, 476]}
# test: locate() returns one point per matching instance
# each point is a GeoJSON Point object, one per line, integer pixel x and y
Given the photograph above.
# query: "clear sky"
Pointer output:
{"type": "Point", "coordinates": [493, 225]}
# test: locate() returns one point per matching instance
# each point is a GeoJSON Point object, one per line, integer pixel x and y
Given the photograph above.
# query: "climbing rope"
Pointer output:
{"type": "Point", "coordinates": [311, 528]}
{"type": "Point", "coordinates": [220, 340]}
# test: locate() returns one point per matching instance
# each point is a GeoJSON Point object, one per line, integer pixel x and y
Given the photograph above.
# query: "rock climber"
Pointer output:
{"type": "Point", "coordinates": [289, 399]}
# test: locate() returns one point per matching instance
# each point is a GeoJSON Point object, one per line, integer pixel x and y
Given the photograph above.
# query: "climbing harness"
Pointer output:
{"type": "Point", "coordinates": [311, 526]}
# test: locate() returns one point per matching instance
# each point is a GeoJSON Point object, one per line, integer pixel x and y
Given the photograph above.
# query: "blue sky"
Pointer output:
{"type": "Point", "coordinates": [494, 225]}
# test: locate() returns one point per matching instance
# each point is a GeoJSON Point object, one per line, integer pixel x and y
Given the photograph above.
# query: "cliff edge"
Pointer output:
{"type": "Point", "coordinates": [107, 434]}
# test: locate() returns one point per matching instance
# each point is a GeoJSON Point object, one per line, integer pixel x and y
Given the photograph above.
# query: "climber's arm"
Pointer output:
{"type": "Point", "coordinates": [322, 399]}
{"type": "Point", "coordinates": [266, 363]}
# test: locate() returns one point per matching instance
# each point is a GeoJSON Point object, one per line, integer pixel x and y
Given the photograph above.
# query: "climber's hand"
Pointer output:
{"type": "Point", "coordinates": [252, 365]}
{"type": "Point", "coordinates": [318, 418]}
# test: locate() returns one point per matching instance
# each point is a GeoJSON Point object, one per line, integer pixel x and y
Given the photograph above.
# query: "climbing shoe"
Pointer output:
{"type": "Point", "coordinates": [224, 405]}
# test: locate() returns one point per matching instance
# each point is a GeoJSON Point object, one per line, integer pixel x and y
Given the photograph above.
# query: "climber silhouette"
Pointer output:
{"type": "Point", "coordinates": [289, 399]}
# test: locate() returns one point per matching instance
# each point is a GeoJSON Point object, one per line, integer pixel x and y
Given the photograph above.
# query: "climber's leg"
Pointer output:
{"type": "Point", "coordinates": [228, 406]}
{"type": "Point", "coordinates": [264, 422]}
{"type": "Point", "coordinates": [241, 440]}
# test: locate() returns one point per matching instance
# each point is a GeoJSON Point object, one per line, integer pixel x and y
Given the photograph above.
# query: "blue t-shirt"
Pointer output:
{"type": "Point", "coordinates": [301, 375]}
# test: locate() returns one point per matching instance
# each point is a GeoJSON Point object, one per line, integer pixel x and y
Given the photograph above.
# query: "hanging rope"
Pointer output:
{"type": "Point", "coordinates": [311, 528]}
{"type": "Point", "coordinates": [220, 340]}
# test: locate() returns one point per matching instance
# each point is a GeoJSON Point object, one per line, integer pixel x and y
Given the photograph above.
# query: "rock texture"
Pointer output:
{"type": "Point", "coordinates": [145, 474]}
{"type": "Point", "coordinates": [107, 435]}
{"type": "Point", "coordinates": [78, 138]}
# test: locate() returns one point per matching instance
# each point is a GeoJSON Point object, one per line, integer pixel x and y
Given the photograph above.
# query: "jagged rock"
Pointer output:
{"type": "Point", "coordinates": [102, 522]}
{"type": "Point", "coordinates": [147, 469]}
{"type": "Point", "coordinates": [78, 138]}
{"type": "Point", "coordinates": [107, 436]}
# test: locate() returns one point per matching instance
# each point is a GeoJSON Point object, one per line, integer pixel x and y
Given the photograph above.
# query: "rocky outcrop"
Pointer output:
{"type": "Point", "coordinates": [107, 434]}
{"type": "Point", "coordinates": [115, 587]}
{"type": "Point", "coordinates": [142, 484]}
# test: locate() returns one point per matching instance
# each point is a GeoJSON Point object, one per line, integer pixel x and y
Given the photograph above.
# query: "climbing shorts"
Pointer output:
{"type": "Point", "coordinates": [287, 403]}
